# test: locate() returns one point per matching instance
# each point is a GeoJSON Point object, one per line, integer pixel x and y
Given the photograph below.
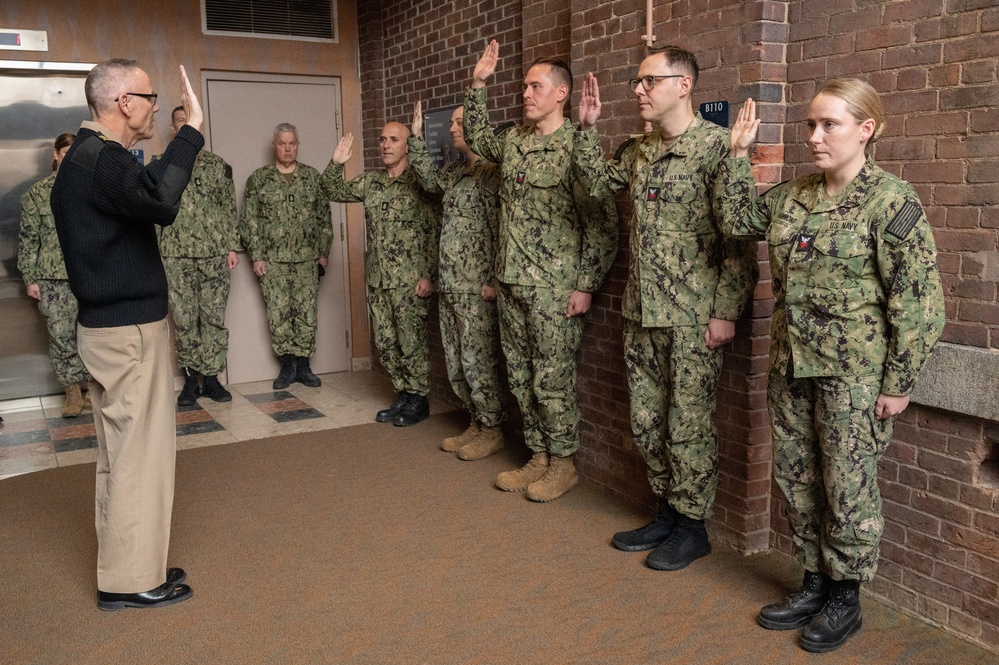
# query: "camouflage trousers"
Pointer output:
{"type": "Point", "coordinates": [540, 346]}
{"type": "Point", "coordinates": [470, 333]}
{"type": "Point", "coordinates": [399, 325]}
{"type": "Point", "coordinates": [291, 293]}
{"type": "Point", "coordinates": [58, 306]}
{"type": "Point", "coordinates": [827, 443]}
{"type": "Point", "coordinates": [199, 292]}
{"type": "Point", "coordinates": [672, 380]}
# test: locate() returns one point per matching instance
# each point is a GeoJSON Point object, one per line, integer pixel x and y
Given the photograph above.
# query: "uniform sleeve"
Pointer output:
{"type": "Point", "coordinates": [598, 237]}
{"type": "Point", "coordinates": [478, 134]}
{"type": "Point", "coordinates": [740, 212]}
{"type": "Point", "coordinates": [423, 166]}
{"type": "Point", "coordinates": [341, 190]}
{"type": "Point", "coordinates": [489, 191]}
{"type": "Point", "coordinates": [597, 176]}
{"type": "Point", "coordinates": [324, 219]}
{"type": "Point", "coordinates": [29, 240]}
{"type": "Point", "coordinates": [226, 193]}
{"type": "Point", "coordinates": [249, 221]}
{"type": "Point", "coordinates": [915, 308]}
{"type": "Point", "coordinates": [432, 237]}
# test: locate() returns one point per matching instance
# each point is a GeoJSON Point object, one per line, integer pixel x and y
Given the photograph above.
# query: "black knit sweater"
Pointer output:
{"type": "Point", "coordinates": [106, 206]}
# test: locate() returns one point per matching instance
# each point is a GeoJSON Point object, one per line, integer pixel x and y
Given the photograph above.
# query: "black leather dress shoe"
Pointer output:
{"type": "Point", "coordinates": [165, 594]}
{"type": "Point", "coordinates": [175, 575]}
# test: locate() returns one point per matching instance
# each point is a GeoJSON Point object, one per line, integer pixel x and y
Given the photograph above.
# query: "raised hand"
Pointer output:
{"type": "Point", "coordinates": [343, 151]}
{"type": "Point", "coordinates": [486, 66]}
{"type": "Point", "coordinates": [589, 103]}
{"type": "Point", "coordinates": [189, 100]}
{"type": "Point", "coordinates": [417, 127]}
{"type": "Point", "coordinates": [744, 129]}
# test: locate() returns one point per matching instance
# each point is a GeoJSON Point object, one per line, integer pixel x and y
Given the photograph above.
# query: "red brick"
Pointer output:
{"type": "Point", "coordinates": [933, 172]}
{"type": "Point", "coordinates": [982, 609]}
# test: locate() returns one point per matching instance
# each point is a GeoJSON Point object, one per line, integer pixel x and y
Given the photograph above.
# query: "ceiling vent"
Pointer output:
{"type": "Point", "coordinates": [313, 20]}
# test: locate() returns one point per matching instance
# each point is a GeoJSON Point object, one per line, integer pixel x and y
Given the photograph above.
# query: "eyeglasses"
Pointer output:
{"type": "Point", "coordinates": [649, 82]}
{"type": "Point", "coordinates": [283, 145]}
{"type": "Point", "coordinates": [151, 96]}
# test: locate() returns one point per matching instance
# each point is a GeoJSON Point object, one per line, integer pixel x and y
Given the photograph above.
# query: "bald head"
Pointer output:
{"type": "Point", "coordinates": [392, 144]}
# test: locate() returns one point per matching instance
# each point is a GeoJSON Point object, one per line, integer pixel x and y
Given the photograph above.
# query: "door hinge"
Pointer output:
{"type": "Point", "coordinates": [346, 334]}
{"type": "Point", "coordinates": [341, 231]}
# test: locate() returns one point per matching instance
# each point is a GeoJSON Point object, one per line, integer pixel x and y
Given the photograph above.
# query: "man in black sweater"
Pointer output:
{"type": "Point", "coordinates": [106, 206]}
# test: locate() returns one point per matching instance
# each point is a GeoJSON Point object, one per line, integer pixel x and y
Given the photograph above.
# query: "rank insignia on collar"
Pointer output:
{"type": "Point", "coordinates": [653, 194]}
{"type": "Point", "coordinates": [384, 206]}
{"type": "Point", "coordinates": [197, 182]}
{"type": "Point", "coordinates": [520, 177]}
{"type": "Point", "coordinates": [291, 198]}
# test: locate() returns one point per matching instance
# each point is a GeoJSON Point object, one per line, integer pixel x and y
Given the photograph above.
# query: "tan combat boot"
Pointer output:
{"type": "Point", "coordinates": [489, 441]}
{"type": "Point", "coordinates": [561, 478]}
{"type": "Point", "coordinates": [453, 444]}
{"type": "Point", "coordinates": [87, 404]}
{"type": "Point", "coordinates": [74, 401]}
{"type": "Point", "coordinates": [519, 479]}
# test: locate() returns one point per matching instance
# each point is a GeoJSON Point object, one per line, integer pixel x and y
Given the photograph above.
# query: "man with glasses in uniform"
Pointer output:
{"type": "Point", "coordinates": [687, 284]}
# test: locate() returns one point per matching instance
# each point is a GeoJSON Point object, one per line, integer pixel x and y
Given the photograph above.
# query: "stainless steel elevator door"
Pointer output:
{"type": "Point", "coordinates": [34, 109]}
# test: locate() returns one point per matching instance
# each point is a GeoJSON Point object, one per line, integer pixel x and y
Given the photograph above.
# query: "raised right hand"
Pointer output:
{"type": "Point", "coordinates": [343, 150]}
{"type": "Point", "coordinates": [486, 66]}
{"type": "Point", "coordinates": [589, 103]}
{"type": "Point", "coordinates": [417, 127]}
{"type": "Point", "coordinates": [744, 129]}
{"type": "Point", "coordinates": [189, 100]}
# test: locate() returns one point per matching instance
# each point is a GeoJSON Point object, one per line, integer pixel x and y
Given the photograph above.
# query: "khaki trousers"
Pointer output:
{"type": "Point", "coordinates": [132, 392]}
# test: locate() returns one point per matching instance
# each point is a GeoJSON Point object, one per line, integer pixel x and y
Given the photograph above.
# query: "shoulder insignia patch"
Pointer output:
{"type": "Point", "coordinates": [904, 220]}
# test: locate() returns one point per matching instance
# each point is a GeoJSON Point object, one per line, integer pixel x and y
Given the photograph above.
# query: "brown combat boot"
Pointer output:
{"type": "Point", "coordinates": [453, 444]}
{"type": "Point", "coordinates": [561, 478]}
{"type": "Point", "coordinates": [519, 479]}
{"type": "Point", "coordinates": [489, 441]}
{"type": "Point", "coordinates": [74, 401]}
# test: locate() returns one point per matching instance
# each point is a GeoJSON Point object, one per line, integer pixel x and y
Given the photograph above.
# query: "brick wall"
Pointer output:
{"type": "Point", "coordinates": [934, 61]}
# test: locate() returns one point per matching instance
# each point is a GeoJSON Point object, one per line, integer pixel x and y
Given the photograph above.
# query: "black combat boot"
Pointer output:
{"type": "Point", "coordinates": [190, 393]}
{"type": "Point", "coordinates": [651, 535]}
{"type": "Point", "coordinates": [838, 620]}
{"type": "Point", "coordinates": [686, 543]}
{"type": "Point", "coordinates": [304, 374]}
{"type": "Point", "coordinates": [288, 371]}
{"type": "Point", "coordinates": [215, 391]}
{"type": "Point", "coordinates": [800, 607]}
{"type": "Point", "coordinates": [389, 414]}
{"type": "Point", "coordinates": [417, 409]}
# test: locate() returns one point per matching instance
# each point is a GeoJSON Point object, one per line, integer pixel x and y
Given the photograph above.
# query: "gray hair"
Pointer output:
{"type": "Point", "coordinates": [286, 128]}
{"type": "Point", "coordinates": [105, 82]}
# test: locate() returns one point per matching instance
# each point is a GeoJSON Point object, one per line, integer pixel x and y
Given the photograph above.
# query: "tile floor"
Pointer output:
{"type": "Point", "coordinates": [35, 436]}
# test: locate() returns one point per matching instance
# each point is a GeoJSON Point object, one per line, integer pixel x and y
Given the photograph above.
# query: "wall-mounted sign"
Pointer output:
{"type": "Point", "coordinates": [437, 134]}
{"type": "Point", "coordinates": [716, 112]}
{"type": "Point", "coordinates": [24, 40]}
{"type": "Point", "coordinates": [138, 154]}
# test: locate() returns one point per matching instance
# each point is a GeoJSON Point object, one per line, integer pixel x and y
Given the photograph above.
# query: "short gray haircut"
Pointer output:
{"type": "Point", "coordinates": [286, 128]}
{"type": "Point", "coordinates": [105, 82]}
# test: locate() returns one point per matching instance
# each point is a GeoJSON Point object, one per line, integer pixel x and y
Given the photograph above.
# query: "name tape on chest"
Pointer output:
{"type": "Point", "coordinates": [905, 219]}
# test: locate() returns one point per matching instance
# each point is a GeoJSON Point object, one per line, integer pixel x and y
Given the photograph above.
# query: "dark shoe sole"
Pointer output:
{"type": "Point", "coordinates": [785, 625]}
{"type": "Point", "coordinates": [222, 398]}
{"type": "Point", "coordinates": [823, 647]}
{"type": "Point", "coordinates": [116, 605]}
{"type": "Point", "coordinates": [379, 418]}
{"type": "Point", "coordinates": [636, 548]}
{"type": "Point", "coordinates": [407, 422]}
{"type": "Point", "coordinates": [280, 385]}
{"type": "Point", "coordinates": [679, 565]}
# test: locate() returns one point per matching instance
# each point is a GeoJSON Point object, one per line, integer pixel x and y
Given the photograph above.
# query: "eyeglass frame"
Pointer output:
{"type": "Point", "coordinates": [654, 77]}
{"type": "Point", "coordinates": [151, 96]}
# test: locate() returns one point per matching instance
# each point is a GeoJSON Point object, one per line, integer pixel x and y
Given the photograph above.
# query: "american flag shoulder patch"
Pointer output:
{"type": "Point", "coordinates": [905, 219]}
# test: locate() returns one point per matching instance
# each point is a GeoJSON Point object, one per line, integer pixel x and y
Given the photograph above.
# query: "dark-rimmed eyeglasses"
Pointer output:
{"type": "Point", "coordinates": [151, 96]}
{"type": "Point", "coordinates": [649, 82]}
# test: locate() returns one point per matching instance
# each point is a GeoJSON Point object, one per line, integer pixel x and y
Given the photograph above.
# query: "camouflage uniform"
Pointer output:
{"type": "Point", "coordinates": [683, 273]}
{"type": "Point", "coordinates": [286, 222]}
{"type": "Point", "coordinates": [195, 252]}
{"type": "Point", "coordinates": [469, 325]}
{"type": "Point", "coordinates": [401, 231]}
{"type": "Point", "coordinates": [39, 258]}
{"type": "Point", "coordinates": [859, 307]}
{"type": "Point", "coordinates": [553, 240]}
